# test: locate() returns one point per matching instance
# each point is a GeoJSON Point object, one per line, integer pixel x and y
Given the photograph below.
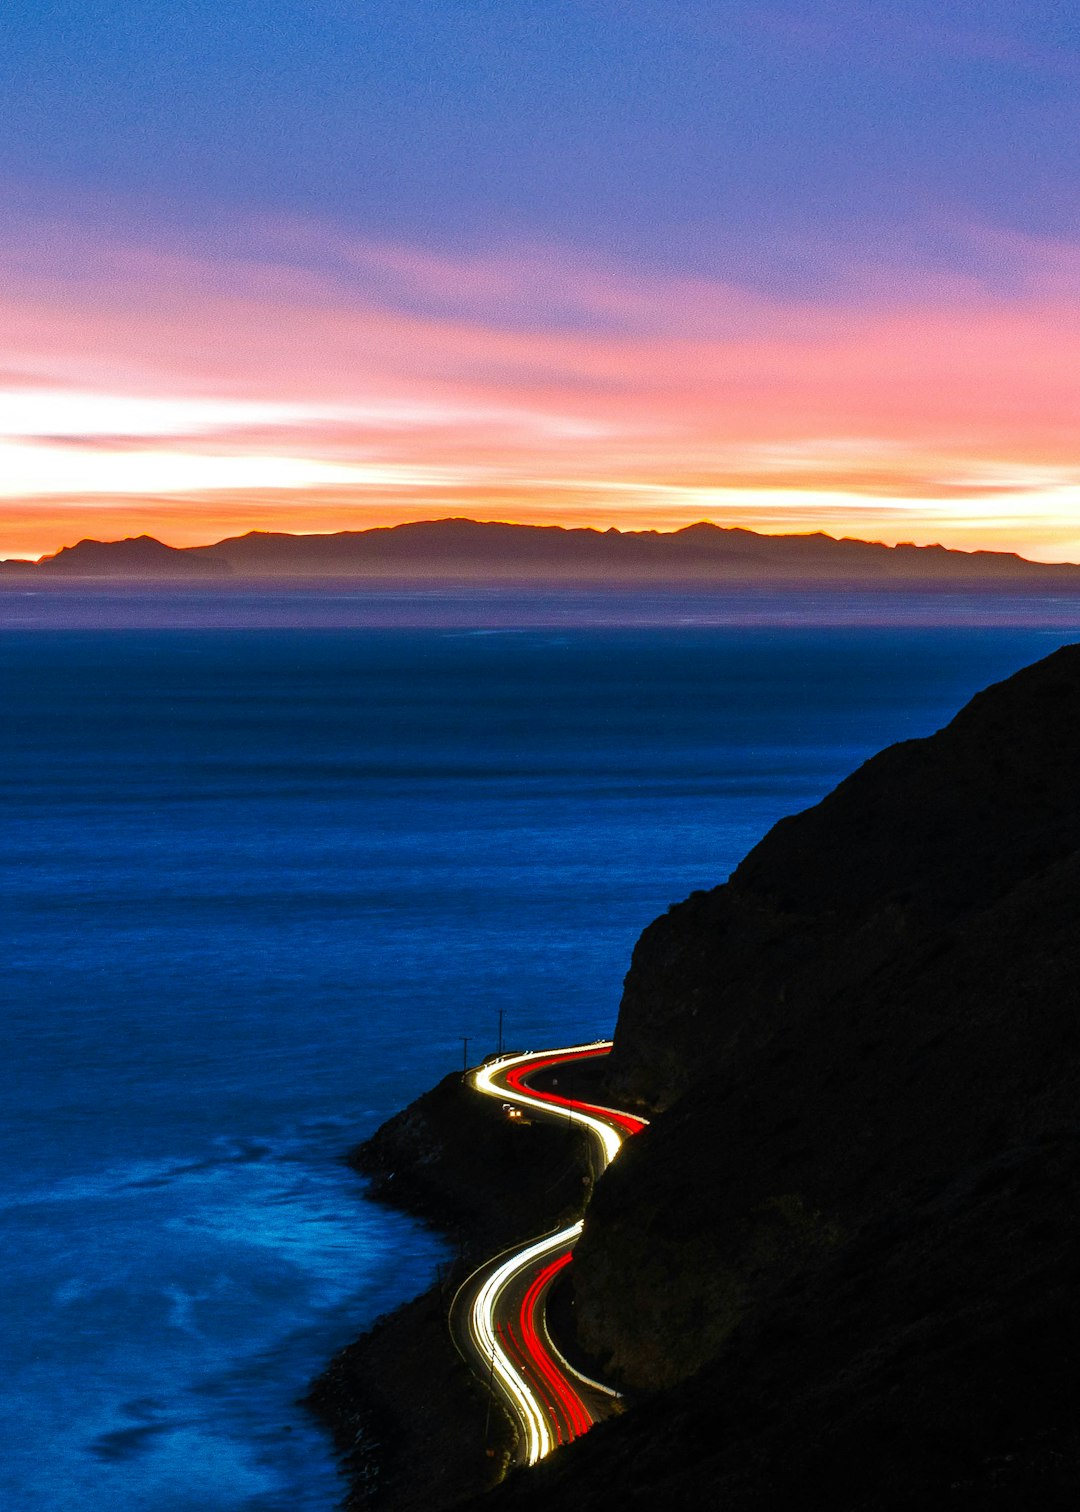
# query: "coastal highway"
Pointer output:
{"type": "Point", "coordinates": [499, 1315]}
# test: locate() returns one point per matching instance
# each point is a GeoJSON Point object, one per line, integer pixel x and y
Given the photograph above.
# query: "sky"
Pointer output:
{"type": "Point", "coordinates": [324, 264]}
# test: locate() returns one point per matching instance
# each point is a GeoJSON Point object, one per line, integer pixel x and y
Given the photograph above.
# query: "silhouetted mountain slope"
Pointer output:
{"type": "Point", "coordinates": [136, 557]}
{"type": "Point", "coordinates": [842, 1268]}
{"type": "Point", "coordinates": [461, 548]}
{"type": "Point", "coordinates": [469, 547]}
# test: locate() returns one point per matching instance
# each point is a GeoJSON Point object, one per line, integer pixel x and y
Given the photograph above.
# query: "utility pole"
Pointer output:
{"type": "Point", "coordinates": [464, 1056]}
{"type": "Point", "coordinates": [500, 1031]}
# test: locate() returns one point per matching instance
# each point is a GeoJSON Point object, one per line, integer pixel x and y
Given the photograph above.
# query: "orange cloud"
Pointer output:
{"type": "Point", "coordinates": [325, 384]}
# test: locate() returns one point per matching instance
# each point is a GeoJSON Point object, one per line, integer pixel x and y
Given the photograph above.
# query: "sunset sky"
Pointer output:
{"type": "Point", "coordinates": [322, 264]}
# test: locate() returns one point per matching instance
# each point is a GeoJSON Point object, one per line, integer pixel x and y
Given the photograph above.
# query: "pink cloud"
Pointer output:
{"type": "Point", "coordinates": [532, 375]}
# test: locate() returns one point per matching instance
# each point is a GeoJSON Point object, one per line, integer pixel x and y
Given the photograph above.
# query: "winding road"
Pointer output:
{"type": "Point", "coordinates": [499, 1315]}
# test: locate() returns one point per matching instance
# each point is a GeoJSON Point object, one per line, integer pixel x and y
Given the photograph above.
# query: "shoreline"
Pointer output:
{"type": "Point", "coordinates": [414, 1427]}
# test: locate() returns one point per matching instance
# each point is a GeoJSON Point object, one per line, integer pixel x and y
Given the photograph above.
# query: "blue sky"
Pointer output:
{"type": "Point", "coordinates": [739, 139]}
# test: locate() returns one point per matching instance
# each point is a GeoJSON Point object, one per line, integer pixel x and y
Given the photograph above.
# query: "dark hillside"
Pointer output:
{"type": "Point", "coordinates": [843, 1267]}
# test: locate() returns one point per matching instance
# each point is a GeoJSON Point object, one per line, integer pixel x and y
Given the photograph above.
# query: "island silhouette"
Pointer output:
{"type": "Point", "coordinates": [464, 549]}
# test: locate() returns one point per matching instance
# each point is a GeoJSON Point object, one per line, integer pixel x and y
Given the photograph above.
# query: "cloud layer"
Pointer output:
{"type": "Point", "coordinates": [306, 380]}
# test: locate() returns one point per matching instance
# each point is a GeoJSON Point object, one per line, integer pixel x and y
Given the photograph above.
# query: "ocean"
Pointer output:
{"type": "Point", "coordinates": [262, 870]}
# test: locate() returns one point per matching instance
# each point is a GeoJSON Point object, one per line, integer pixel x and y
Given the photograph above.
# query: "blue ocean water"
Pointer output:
{"type": "Point", "coordinates": [255, 884]}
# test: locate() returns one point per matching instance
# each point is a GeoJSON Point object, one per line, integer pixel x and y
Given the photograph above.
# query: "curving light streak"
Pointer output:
{"type": "Point", "coordinates": [625, 1121]}
{"type": "Point", "coordinates": [586, 1380]}
{"type": "Point", "coordinates": [535, 1336]}
{"type": "Point", "coordinates": [502, 1078]}
{"type": "Point", "coordinates": [598, 1120]}
{"type": "Point", "coordinates": [539, 1439]}
{"type": "Point", "coordinates": [553, 1349]}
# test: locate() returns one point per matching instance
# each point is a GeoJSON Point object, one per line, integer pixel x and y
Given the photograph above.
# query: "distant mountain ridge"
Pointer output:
{"type": "Point", "coordinates": [136, 557]}
{"type": "Point", "coordinates": [463, 548]}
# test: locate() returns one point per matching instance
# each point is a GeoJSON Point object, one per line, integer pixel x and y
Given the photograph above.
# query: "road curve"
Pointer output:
{"type": "Point", "coordinates": [498, 1316]}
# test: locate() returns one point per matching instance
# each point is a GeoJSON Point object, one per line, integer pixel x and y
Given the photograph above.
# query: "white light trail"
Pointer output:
{"type": "Point", "coordinates": [610, 1138]}
{"type": "Point", "coordinates": [490, 1081]}
{"type": "Point", "coordinates": [538, 1437]}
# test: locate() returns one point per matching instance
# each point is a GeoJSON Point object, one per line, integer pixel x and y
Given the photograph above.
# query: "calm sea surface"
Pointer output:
{"type": "Point", "coordinates": [255, 884]}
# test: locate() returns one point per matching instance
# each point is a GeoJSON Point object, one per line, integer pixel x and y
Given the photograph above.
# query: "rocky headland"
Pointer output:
{"type": "Point", "coordinates": [414, 1426]}
{"type": "Point", "coordinates": [842, 1266]}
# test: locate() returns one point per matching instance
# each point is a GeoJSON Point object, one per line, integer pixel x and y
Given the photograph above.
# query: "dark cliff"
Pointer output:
{"type": "Point", "coordinates": [843, 1265]}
